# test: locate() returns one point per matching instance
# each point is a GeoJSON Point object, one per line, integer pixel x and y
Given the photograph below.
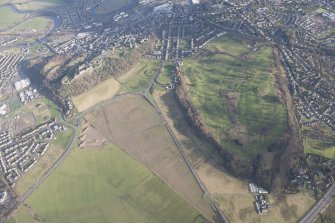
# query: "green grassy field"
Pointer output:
{"type": "Point", "coordinates": [56, 148]}
{"type": "Point", "coordinates": [38, 25]}
{"type": "Point", "coordinates": [34, 5]}
{"type": "Point", "coordinates": [43, 109]}
{"type": "Point", "coordinates": [311, 146]}
{"type": "Point", "coordinates": [20, 22]}
{"type": "Point", "coordinates": [319, 140]}
{"type": "Point", "coordinates": [9, 18]}
{"type": "Point", "coordinates": [15, 104]}
{"type": "Point", "coordinates": [235, 47]}
{"type": "Point", "coordinates": [184, 44]}
{"type": "Point", "coordinates": [104, 185]}
{"type": "Point", "coordinates": [142, 77]}
{"type": "Point", "coordinates": [234, 92]}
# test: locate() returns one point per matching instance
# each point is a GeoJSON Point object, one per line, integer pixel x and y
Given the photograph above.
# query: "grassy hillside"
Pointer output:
{"type": "Point", "coordinates": [139, 79]}
{"type": "Point", "coordinates": [133, 124]}
{"type": "Point", "coordinates": [319, 139]}
{"type": "Point", "coordinates": [234, 91]}
{"type": "Point", "coordinates": [104, 185]}
{"type": "Point", "coordinates": [232, 193]}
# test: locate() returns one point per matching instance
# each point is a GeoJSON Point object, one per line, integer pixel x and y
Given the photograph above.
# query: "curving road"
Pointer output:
{"type": "Point", "coordinates": [51, 169]}
{"type": "Point", "coordinates": [221, 216]}
{"type": "Point", "coordinates": [322, 204]}
{"type": "Point", "coordinates": [24, 196]}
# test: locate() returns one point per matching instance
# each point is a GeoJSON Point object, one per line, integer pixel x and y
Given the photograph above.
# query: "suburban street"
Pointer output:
{"type": "Point", "coordinates": [50, 170]}
{"type": "Point", "coordinates": [229, 104]}
{"type": "Point", "coordinates": [320, 206]}
{"type": "Point", "coordinates": [310, 217]}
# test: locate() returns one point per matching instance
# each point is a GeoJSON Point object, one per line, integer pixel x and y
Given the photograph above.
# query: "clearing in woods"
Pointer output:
{"type": "Point", "coordinates": [104, 185]}
{"type": "Point", "coordinates": [132, 123]}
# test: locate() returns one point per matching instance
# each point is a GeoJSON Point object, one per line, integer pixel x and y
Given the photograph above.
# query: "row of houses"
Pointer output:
{"type": "Point", "coordinates": [24, 150]}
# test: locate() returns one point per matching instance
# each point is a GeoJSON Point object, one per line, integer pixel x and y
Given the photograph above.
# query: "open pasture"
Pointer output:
{"type": "Point", "coordinates": [8, 18]}
{"type": "Point", "coordinates": [35, 5]}
{"type": "Point", "coordinates": [233, 46]}
{"type": "Point", "coordinates": [133, 124]}
{"type": "Point", "coordinates": [42, 109]}
{"type": "Point", "coordinates": [105, 185]}
{"type": "Point", "coordinates": [15, 22]}
{"type": "Point", "coordinates": [57, 147]}
{"type": "Point", "coordinates": [284, 208]}
{"type": "Point", "coordinates": [38, 26]}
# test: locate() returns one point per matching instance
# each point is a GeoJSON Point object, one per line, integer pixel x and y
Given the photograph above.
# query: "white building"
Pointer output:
{"type": "Point", "coordinates": [3, 109]}
{"type": "Point", "coordinates": [3, 196]}
{"type": "Point", "coordinates": [19, 85]}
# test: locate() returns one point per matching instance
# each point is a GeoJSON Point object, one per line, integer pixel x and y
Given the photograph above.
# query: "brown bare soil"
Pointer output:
{"type": "Point", "coordinates": [92, 138]}
{"type": "Point", "coordinates": [283, 209]}
{"type": "Point", "coordinates": [133, 124]}
{"type": "Point", "coordinates": [24, 120]}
